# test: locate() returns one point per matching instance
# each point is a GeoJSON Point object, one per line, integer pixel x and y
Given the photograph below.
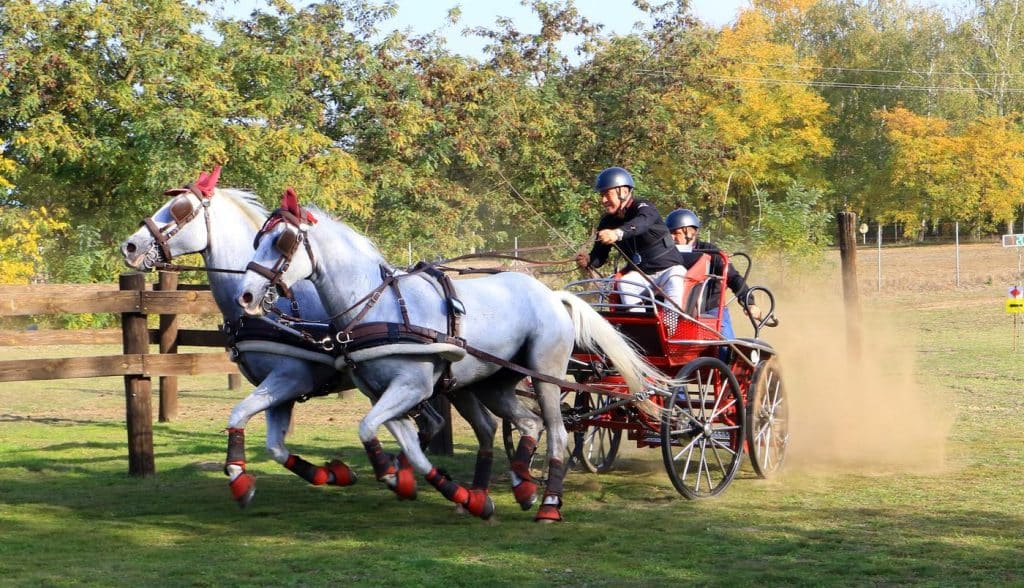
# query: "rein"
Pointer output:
{"type": "Point", "coordinates": [173, 267]}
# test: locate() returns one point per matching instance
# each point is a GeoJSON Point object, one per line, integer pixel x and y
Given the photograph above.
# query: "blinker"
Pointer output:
{"type": "Point", "coordinates": [288, 242]}
{"type": "Point", "coordinates": [181, 209]}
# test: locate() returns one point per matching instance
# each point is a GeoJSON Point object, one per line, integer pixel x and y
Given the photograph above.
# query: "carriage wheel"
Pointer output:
{"type": "Point", "coordinates": [597, 446]}
{"type": "Point", "coordinates": [702, 429]}
{"type": "Point", "coordinates": [767, 419]}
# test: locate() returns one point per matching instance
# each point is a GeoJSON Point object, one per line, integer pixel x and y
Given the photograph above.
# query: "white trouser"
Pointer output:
{"type": "Point", "coordinates": [669, 280]}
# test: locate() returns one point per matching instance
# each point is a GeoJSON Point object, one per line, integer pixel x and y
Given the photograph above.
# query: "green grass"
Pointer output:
{"type": "Point", "coordinates": [70, 514]}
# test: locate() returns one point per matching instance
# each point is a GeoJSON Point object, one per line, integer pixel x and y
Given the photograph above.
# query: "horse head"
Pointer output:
{"type": "Point", "coordinates": [284, 255]}
{"type": "Point", "coordinates": [171, 230]}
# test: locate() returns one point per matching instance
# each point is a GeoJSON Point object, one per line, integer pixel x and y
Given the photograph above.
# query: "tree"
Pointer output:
{"type": "Point", "coordinates": [869, 57]}
{"type": "Point", "coordinates": [976, 175]}
{"type": "Point", "coordinates": [775, 126]}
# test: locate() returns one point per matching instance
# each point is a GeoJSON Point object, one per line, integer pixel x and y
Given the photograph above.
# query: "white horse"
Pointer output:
{"type": "Point", "coordinates": [510, 316]}
{"type": "Point", "coordinates": [221, 225]}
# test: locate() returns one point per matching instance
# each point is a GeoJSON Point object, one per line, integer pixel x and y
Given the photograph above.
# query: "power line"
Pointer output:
{"type": "Point", "coordinates": [840, 84]}
{"type": "Point", "coordinates": [863, 86]}
{"type": "Point", "coordinates": [887, 71]}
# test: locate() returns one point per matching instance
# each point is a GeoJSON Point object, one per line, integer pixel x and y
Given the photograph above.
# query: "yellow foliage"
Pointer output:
{"type": "Point", "coordinates": [969, 175]}
{"type": "Point", "coordinates": [7, 169]}
{"type": "Point", "coordinates": [777, 126]}
{"type": "Point", "coordinates": [21, 242]}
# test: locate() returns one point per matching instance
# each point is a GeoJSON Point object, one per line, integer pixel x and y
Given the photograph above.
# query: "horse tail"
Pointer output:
{"type": "Point", "coordinates": [595, 333]}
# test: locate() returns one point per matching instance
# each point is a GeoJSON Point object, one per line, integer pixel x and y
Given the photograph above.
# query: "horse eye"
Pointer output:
{"type": "Point", "coordinates": [181, 209]}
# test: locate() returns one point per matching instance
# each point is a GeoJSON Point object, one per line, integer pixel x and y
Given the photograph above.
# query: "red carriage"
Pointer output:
{"type": "Point", "coordinates": [727, 396]}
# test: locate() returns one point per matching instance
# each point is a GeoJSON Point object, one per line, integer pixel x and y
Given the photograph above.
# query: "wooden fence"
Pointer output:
{"type": "Point", "coordinates": [134, 302]}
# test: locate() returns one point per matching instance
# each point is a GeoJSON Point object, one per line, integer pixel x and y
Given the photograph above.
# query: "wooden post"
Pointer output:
{"type": "Point", "coordinates": [138, 411]}
{"type": "Point", "coordinates": [443, 443]}
{"type": "Point", "coordinates": [851, 296]}
{"type": "Point", "coordinates": [234, 381]}
{"type": "Point", "coordinates": [168, 344]}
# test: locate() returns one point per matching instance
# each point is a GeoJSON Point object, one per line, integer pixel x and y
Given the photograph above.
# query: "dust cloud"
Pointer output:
{"type": "Point", "coordinates": [869, 416]}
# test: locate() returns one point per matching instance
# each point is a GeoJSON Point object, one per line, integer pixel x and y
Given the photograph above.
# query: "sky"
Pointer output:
{"type": "Point", "coordinates": [421, 16]}
{"type": "Point", "coordinates": [617, 16]}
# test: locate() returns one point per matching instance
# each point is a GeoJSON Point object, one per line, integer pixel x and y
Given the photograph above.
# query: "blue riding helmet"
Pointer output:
{"type": "Point", "coordinates": [613, 177]}
{"type": "Point", "coordinates": [681, 217]}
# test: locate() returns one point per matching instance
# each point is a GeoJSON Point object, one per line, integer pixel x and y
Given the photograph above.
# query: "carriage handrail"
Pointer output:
{"type": "Point", "coordinates": [602, 287]}
{"type": "Point", "coordinates": [606, 287]}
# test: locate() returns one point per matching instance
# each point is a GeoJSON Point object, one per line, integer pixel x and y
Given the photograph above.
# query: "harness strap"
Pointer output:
{"type": "Point", "coordinates": [455, 307]}
{"type": "Point", "coordinates": [159, 236]}
{"type": "Point", "coordinates": [381, 333]}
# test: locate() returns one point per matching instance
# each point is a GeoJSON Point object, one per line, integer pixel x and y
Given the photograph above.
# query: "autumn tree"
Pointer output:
{"type": "Point", "coordinates": [776, 123]}
{"type": "Point", "coordinates": [869, 57]}
{"type": "Point", "coordinates": [644, 101]}
{"type": "Point", "coordinates": [975, 175]}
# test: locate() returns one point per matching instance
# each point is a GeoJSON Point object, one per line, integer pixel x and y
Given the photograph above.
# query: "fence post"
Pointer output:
{"type": "Point", "coordinates": [848, 257]}
{"type": "Point", "coordinates": [878, 278]}
{"type": "Point", "coordinates": [138, 410]}
{"type": "Point", "coordinates": [168, 344]}
{"type": "Point", "coordinates": [234, 381]}
{"type": "Point", "coordinates": [957, 230]}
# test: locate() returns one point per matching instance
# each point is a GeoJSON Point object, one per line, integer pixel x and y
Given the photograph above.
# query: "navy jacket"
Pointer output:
{"type": "Point", "coordinates": [646, 240]}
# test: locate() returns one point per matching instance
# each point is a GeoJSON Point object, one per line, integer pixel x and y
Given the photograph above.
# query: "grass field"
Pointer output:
{"type": "Point", "coordinates": [904, 470]}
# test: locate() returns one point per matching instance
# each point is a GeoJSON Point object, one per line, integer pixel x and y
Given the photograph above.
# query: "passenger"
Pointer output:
{"type": "Point", "coordinates": [684, 226]}
{"type": "Point", "coordinates": [635, 227]}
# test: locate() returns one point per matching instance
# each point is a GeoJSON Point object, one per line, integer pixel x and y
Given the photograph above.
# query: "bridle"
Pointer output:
{"type": "Point", "coordinates": [182, 212]}
{"type": "Point", "coordinates": [286, 244]}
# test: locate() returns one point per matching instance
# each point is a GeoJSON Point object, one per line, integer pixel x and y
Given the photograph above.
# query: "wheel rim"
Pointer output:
{"type": "Point", "coordinates": [768, 421]}
{"type": "Point", "coordinates": [703, 429]}
{"type": "Point", "coordinates": [598, 446]}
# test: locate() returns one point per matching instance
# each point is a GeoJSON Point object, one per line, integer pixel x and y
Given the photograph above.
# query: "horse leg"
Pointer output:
{"type": "Point", "coordinates": [405, 386]}
{"type": "Point", "coordinates": [549, 397]}
{"type": "Point", "coordinates": [400, 476]}
{"type": "Point", "coordinates": [335, 473]}
{"type": "Point", "coordinates": [472, 410]}
{"type": "Point", "coordinates": [242, 483]}
{"type": "Point", "coordinates": [500, 397]}
{"type": "Point", "coordinates": [389, 409]}
{"type": "Point", "coordinates": [276, 395]}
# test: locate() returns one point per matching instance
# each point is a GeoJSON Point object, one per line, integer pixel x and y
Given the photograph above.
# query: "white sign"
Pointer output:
{"type": "Point", "coordinates": [1013, 240]}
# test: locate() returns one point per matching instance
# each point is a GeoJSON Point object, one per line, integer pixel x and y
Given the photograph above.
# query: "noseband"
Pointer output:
{"type": "Point", "coordinates": [161, 235]}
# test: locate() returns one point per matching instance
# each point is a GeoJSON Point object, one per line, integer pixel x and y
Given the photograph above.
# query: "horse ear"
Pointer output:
{"type": "Point", "coordinates": [290, 201]}
{"type": "Point", "coordinates": [207, 182]}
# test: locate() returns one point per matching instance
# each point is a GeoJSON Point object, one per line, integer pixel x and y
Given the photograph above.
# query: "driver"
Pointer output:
{"type": "Point", "coordinates": [634, 226]}
{"type": "Point", "coordinates": [684, 226]}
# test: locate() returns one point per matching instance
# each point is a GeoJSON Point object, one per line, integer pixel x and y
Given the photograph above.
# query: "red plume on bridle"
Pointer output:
{"type": "Point", "coordinates": [290, 203]}
{"type": "Point", "coordinates": [207, 182]}
{"type": "Point", "coordinates": [289, 211]}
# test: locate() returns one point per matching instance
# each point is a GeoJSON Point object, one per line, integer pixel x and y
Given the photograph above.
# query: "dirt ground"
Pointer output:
{"type": "Point", "coordinates": [926, 269]}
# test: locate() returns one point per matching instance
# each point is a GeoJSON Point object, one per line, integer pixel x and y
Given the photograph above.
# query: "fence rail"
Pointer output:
{"type": "Point", "coordinates": [133, 300]}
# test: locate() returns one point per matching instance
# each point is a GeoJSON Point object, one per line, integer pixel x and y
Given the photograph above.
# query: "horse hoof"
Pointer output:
{"type": "Point", "coordinates": [243, 488]}
{"type": "Point", "coordinates": [405, 484]}
{"type": "Point", "coordinates": [343, 475]}
{"type": "Point", "coordinates": [479, 504]}
{"type": "Point", "coordinates": [526, 494]}
{"type": "Point", "coordinates": [548, 513]}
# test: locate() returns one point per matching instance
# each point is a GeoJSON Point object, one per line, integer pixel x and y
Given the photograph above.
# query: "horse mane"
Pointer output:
{"type": "Point", "coordinates": [248, 203]}
{"type": "Point", "coordinates": [362, 244]}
